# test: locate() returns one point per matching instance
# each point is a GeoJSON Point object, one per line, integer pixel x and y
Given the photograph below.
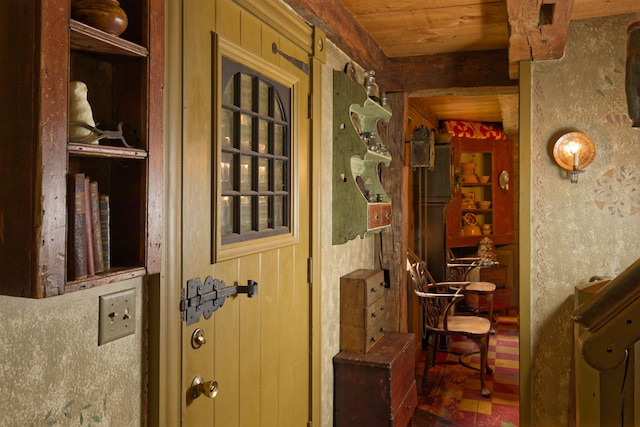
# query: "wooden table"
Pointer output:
{"type": "Point", "coordinates": [495, 274]}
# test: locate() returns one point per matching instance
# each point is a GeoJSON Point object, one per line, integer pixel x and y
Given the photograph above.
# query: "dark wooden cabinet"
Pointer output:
{"type": "Point", "coordinates": [433, 190]}
{"type": "Point", "coordinates": [377, 388]}
{"type": "Point", "coordinates": [440, 180]}
{"type": "Point", "coordinates": [436, 241]}
{"type": "Point", "coordinates": [43, 50]}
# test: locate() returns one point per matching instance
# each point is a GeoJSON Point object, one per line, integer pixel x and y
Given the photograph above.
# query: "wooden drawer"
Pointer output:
{"type": "Point", "coordinates": [362, 309]}
{"type": "Point", "coordinates": [376, 388]}
{"type": "Point", "coordinates": [361, 328]}
{"type": "Point", "coordinates": [404, 412]}
{"type": "Point", "coordinates": [379, 215]}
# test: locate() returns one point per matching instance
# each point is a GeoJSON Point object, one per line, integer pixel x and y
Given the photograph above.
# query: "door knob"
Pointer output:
{"type": "Point", "coordinates": [200, 386]}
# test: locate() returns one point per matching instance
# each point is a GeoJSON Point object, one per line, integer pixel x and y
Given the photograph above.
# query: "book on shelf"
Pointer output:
{"type": "Point", "coordinates": [79, 230]}
{"type": "Point", "coordinates": [105, 225]}
{"type": "Point", "coordinates": [96, 230]}
{"type": "Point", "coordinates": [90, 242]}
{"type": "Point", "coordinates": [91, 270]}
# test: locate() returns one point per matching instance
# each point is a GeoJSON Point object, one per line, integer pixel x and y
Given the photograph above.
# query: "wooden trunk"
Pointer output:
{"type": "Point", "coordinates": [377, 388]}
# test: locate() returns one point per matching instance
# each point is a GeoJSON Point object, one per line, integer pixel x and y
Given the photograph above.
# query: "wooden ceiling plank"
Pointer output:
{"type": "Point", "coordinates": [452, 17]}
{"type": "Point", "coordinates": [426, 30]}
{"type": "Point", "coordinates": [585, 9]}
{"type": "Point", "coordinates": [363, 7]}
{"type": "Point", "coordinates": [414, 29]}
{"type": "Point", "coordinates": [421, 44]}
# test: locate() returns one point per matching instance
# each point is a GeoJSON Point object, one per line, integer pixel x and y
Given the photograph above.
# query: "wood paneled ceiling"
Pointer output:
{"type": "Point", "coordinates": [456, 58]}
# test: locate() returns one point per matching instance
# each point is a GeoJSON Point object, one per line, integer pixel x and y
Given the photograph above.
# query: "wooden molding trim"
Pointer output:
{"type": "Point", "coordinates": [281, 18]}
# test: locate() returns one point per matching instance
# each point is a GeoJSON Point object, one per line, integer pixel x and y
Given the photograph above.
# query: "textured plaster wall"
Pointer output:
{"type": "Point", "coordinates": [584, 229]}
{"type": "Point", "coordinates": [52, 366]}
{"type": "Point", "coordinates": [337, 260]}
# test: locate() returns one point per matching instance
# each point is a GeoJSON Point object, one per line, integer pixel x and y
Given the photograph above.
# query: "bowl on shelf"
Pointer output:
{"type": "Point", "coordinates": [483, 179]}
{"type": "Point", "coordinates": [483, 204]}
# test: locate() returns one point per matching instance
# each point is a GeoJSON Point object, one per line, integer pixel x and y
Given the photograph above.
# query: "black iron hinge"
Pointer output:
{"type": "Point", "coordinates": [204, 299]}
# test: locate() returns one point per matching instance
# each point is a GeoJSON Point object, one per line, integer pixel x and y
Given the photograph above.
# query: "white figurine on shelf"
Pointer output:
{"type": "Point", "coordinates": [79, 111]}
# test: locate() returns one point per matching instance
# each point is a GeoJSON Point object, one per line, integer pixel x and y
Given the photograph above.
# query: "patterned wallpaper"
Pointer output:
{"type": "Point", "coordinates": [583, 229]}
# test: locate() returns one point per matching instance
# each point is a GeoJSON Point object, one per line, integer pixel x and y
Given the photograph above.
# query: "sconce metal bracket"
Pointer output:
{"type": "Point", "coordinates": [204, 299]}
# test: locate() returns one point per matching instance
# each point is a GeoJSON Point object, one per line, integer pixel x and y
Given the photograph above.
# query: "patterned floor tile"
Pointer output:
{"type": "Point", "coordinates": [451, 396]}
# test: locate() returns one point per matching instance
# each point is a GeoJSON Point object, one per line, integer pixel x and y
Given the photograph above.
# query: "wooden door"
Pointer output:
{"type": "Point", "coordinates": [255, 349]}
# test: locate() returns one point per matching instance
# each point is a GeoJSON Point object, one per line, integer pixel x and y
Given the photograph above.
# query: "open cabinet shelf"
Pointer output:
{"type": "Point", "coordinates": [491, 159]}
{"type": "Point", "coordinates": [361, 207]}
{"type": "Point", "coordinates": [124, 78]}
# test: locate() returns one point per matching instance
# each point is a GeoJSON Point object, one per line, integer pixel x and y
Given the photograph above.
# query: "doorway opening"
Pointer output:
{"type": "Point", "coordinates": [428, 237]}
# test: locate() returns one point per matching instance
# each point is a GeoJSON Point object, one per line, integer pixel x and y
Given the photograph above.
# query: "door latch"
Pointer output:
{"type": "Point", "coordinates": [205, 298]}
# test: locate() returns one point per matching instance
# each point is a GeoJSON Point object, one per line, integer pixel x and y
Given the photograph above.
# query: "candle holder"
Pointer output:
{"type": "Point", "coordinates": [573, 152]}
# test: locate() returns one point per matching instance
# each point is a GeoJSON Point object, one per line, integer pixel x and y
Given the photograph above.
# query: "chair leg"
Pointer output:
{"type": "Point", "coordinates": [436, 345]}
{"type": "Point", "coordinates": [483, 344]}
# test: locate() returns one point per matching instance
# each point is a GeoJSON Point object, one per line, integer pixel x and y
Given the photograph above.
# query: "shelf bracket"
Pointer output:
{"type": "Point", "coordinates": [204, 299]}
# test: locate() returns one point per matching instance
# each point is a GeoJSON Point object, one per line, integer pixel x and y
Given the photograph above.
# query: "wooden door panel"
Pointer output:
{"type": "Point", "coordinates": [226, 351]}
{"type": "Point", "coordinates": [249, 346]}
{"type": "Point", "coordinates": [257, 348]}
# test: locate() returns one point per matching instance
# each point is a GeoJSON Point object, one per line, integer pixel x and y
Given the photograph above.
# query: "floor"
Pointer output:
{"type": "Point", "coordinates": [451, 393]}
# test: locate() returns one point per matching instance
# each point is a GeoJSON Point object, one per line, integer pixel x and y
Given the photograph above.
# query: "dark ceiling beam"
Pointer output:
{"type": "Point", "coordinates": [343, 30]}
{"type": "Point", "coordinates": [538, 30]}
{"type": "Point", "coordinates": [460, 70]}
{"type": "Point", "coordinates": [410, 74]}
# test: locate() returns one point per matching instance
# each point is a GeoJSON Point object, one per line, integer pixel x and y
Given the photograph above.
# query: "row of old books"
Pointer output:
{"type": "Point", "coordinates": [90, 239]}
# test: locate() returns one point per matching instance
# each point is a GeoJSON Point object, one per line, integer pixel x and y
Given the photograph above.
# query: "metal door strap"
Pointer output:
{"type": "Point", "coordinates": [204, 299]}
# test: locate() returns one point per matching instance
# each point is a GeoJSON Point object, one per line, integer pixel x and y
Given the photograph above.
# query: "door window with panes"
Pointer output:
{"type": "Point", "coordinates": [255, 195]}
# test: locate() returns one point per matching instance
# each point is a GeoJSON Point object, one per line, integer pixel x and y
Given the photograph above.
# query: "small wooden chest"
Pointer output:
{"type": "Point", "coordinates": [362, 309]}
{"type": "Point", "coordinates": [377, 388]}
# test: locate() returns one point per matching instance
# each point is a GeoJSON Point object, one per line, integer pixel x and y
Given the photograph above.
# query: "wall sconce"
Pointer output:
{"type": "Point", "coordinates": [574, 151]}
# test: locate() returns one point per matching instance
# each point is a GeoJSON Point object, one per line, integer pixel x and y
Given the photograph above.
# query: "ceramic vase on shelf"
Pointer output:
{"type": "Point", "coordinates": [632, 78]}
{"type": "Point", "coordinates": [105, 15]}
{"type": "Point", "coordinates": [468, 175]}
{"type": "Point", "coordinates": [470, 230]}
